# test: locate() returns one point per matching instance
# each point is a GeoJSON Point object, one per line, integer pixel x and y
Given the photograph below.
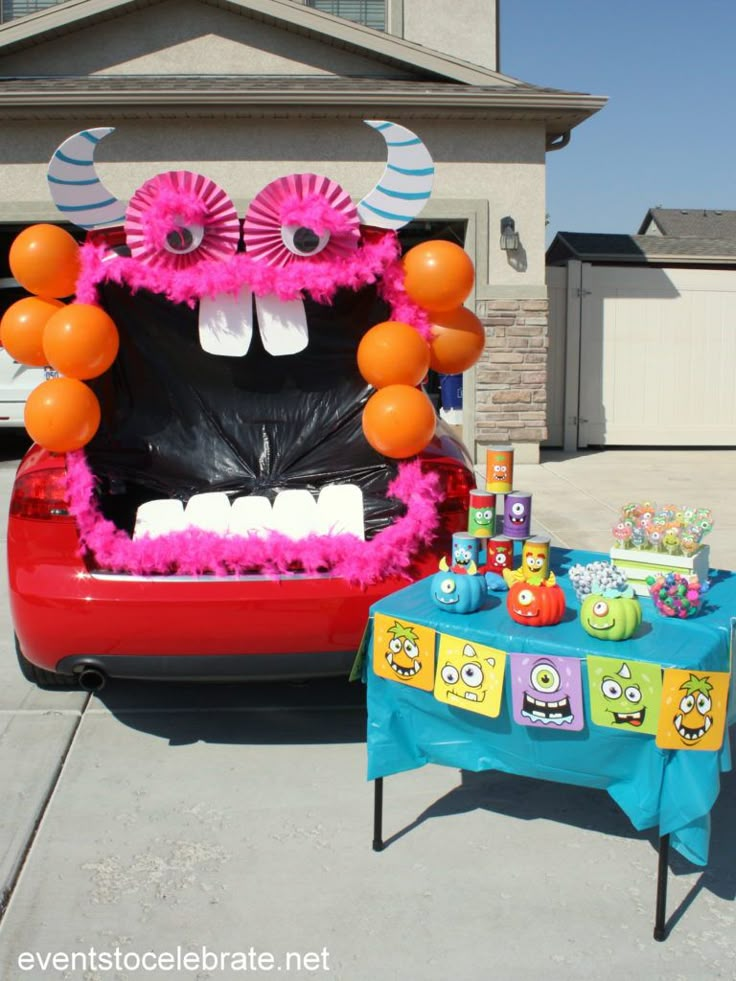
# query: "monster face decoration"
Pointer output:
{"type": "Point", "coordinates": [624, 695]}
{"type": "Point", "coordinates": [482, 513]}
{"type": "Point", "coordinates": [403, 651]}
{"type": "Point", "coordinates": [465, 550]}
{"type": "Point", "coordinates": [458, 593]}
{"type": "Point", "coordinates": [693, 709]}
{"type": "Point", "coordinates": [226, 348]}
{"type": "Point", "coordinates": [547, 691]}
{"type": "Point", "coordinates": [469, 676]}
{"type": "Point", "coordinates": [517, 515]}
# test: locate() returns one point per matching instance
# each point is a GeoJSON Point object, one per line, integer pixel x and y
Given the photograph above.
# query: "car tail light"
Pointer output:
{"type": "Point", "coordinates": [457, 482]}
{"type": "Point", "coordinates": [41, 494]}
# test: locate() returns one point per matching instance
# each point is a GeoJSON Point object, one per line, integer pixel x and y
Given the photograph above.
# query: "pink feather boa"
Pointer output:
{"type": "Point", "coordinates": [195, 552]}
{"type": "Point", "coordinates": [375, 261]}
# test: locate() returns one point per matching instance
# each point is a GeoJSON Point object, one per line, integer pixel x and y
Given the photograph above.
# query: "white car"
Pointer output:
{"type": "Point", "coordinates": [17, 381]}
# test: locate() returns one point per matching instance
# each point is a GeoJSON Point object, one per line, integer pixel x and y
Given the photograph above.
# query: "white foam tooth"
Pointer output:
{"type": "Point", "coordinates": [249, 515]}
{"type": "Point", "coordinates": [159, 517]}
{"type": "Point", "coordinates": [341, 510]}
{"type": "Point", "coordinates": [295, 514]}
{"type": "Point", "coordinates": [209, 512]}
{"type": "Point", "coordinates": [283, 325]}
{"type": "Point", "coordinates": [226, 323]}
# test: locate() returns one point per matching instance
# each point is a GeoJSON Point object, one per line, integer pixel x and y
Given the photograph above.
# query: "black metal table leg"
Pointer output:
{"type": "Point", "coordinates": [378, 814]}
{"type": "Point", "coordinates": [659, 916]}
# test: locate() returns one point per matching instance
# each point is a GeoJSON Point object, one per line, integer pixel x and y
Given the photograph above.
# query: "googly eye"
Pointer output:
{"type": "Point", "coordinates": [472, 675]}
{"type": "Point", "coordinates": [704, 704]}
{"type": "Point", "coordinates": [447, 586]}
{"type": "Point", "coordinates": [545, 678]}
{"type": "Point", "coordinates": [411, 648]}
{"type": "Point", "coordinates": [600, 608]}
{"type": "Point", "coordinates": [526, 597]}
{"type": "Point", "coordinates": [517, 508]}
{"type": "Point", "coordinates": [303, 241]}
{"type": "Point", "coordinates": [687, 704]}
{"type": "Point", "coordinates": [184, 239]}
{"type": "Point", "coordinates": [611, 688]}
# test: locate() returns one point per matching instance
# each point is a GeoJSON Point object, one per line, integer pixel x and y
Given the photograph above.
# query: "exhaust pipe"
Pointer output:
{"type": "Point", "coordinates": [92, 679]}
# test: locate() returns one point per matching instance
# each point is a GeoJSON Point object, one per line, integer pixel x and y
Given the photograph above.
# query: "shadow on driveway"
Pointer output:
{"type": "Point", "coordinates": [316, 711]}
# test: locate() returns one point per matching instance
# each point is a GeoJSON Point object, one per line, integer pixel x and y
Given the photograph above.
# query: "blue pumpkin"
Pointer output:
{"type": "Point", "coordinates": [455, 592]}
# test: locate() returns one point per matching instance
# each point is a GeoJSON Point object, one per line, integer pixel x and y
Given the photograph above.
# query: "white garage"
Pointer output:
{"type": "Point", "coordinates": [642, 341]}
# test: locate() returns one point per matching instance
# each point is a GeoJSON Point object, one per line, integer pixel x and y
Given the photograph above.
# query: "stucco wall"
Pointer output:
{"type": "Point", "coordinates": [464, 29]}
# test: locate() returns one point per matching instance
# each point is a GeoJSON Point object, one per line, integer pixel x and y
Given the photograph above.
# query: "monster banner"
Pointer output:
{"type": "Point", "coordinates": [684, 709]}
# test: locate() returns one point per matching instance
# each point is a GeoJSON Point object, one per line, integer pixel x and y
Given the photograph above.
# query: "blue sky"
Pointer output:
{"type": "Point", "coordinates": [666, 136]}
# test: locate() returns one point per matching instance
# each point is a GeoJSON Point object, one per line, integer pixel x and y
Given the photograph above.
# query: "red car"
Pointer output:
{"type": "Point", "coordinates": [78, 624]}
{"type": "Point", "coordinates": [229, 519]}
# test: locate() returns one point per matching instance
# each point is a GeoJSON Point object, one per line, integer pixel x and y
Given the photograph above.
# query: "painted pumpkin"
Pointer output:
{"type": "Point", "coordinates": [611, 614]}
{"type": "Point", "coordinates": [458, 592]}
{"type": "Point", "coordinates": [536, 604]}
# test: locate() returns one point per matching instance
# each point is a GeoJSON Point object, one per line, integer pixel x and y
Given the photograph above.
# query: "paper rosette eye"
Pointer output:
{"type": "Point", "coordinates": [180, 218]}
{"type": "Point", "coordinates": [301, 217]}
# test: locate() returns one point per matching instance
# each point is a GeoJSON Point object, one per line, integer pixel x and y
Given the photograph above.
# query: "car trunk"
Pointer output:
{"type": "Point", "coordinates": [177, 421]}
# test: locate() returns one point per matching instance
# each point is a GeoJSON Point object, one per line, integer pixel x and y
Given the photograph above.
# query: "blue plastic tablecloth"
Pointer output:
{"type": "Point", "coordinates": [673, 790]}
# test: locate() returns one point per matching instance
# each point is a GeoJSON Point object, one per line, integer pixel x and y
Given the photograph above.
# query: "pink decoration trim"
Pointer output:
{"type": "Point", "coordinates": [319, 278]}
{"type": "Point", "coordinates": [391, 289]}
{"type": "Point", "coordinates": [196, 552]}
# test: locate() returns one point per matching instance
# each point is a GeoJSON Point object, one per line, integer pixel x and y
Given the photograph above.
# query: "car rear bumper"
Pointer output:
{"type": "Point", "coordinates": [134, 626]}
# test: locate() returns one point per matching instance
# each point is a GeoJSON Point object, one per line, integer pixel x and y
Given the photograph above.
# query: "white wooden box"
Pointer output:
{"type": "Point", "coordinates": [636, 564]}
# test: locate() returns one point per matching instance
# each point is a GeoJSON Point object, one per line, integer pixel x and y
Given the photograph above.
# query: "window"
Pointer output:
{"type": "Point", "coordinates": [372, 13]}
{"type": "Point", "coordinates": [10, 9]}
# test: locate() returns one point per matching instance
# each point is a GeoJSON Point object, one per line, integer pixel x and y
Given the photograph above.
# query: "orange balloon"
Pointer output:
{"type": "Point", "coordinates": [458, 339]}
{"type": "Point", "coordinates": [438, 275]}
{"type": "Point", "coordinates": [81, 341]}
{"type": "Point", "coordinates": [399, 421]}
{"type": "Point", "coordinates": [62, 414]}
{"type": "Point", "coordinates": [45, 260]}
{"type": "Point", "coordinates": [22, 327]}
{"type": "Point", "coordinates": [393, 353]}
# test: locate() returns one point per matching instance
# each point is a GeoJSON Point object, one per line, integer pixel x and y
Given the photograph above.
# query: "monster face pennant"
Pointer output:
{"type": "Point", "coordinates": [546, 691]}
{"type": "Point", "coordinates": [624, 695]}
{"type": "Point", "coordinates": [693, 712]}
{"type": "Point", "coordinates": [403, 651]}
{"type": "Point", "coordinates": [469, 676]}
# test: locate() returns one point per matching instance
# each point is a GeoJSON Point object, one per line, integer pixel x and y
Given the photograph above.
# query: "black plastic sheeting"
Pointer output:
{"type": "Point", "coordinates": [177, 421]}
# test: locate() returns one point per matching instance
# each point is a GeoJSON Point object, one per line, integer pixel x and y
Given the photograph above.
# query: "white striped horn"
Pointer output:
{"type": "Point", "coordinates": [406, 184]}
{"type": "Point", "coordinates": [76, 189]}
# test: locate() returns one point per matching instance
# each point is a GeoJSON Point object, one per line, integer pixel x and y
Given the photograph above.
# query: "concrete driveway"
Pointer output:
{"type": "Point", "coordinates": [217, 832]}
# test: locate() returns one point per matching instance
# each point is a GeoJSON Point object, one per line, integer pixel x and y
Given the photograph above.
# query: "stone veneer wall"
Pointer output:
{"type": "Point", "coordinates": [511, 375]}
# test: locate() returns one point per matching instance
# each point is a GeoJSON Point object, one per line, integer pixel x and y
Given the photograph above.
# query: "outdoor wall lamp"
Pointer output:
{"type": "Point", "coordinates": [509, 235]}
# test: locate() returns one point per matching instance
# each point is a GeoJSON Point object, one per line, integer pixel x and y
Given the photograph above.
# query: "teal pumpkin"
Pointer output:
{"type": "Point", "coordinates": [611, 615]}
{"type": "Point", "coordinates": [459, 592]}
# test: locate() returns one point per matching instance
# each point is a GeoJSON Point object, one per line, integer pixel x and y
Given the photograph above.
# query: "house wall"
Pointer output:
{"type": "Point", "coordinates": [189, 38]}
{"type": "Point", "coordinates": [444, 26]}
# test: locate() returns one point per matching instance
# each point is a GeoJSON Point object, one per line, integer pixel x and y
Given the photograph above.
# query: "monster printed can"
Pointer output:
{"type": "Point", "coordinates": [499, 469]}
{"type": "Point", "coordinates": [517, 514]}
{"type": "Point", "coordinates": [465, 549]}
{"type": "Point", "coordinates": [535, 558]}
{"type": "Point", "coordinates": [482, 513]}
{"type": "Point", "coordinates": [500, 554]}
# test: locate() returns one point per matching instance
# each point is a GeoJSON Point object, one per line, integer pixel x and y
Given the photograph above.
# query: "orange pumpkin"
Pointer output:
{"type": "Point", "coordinates": [535, 605]}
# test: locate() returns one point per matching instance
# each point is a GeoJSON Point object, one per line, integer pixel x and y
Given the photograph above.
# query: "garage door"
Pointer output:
{"type": "Point", "coordinates": [657, 357]}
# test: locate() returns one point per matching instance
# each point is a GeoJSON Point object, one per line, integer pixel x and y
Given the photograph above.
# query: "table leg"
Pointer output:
{"type": "Point", "coordinates": [378, 814]}
{"type": "Point", "coordinates": [659, 916]}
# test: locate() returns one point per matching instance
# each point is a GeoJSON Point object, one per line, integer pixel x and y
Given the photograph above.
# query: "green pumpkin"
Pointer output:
{"type": "Point", "coordinates": [611, 615]}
